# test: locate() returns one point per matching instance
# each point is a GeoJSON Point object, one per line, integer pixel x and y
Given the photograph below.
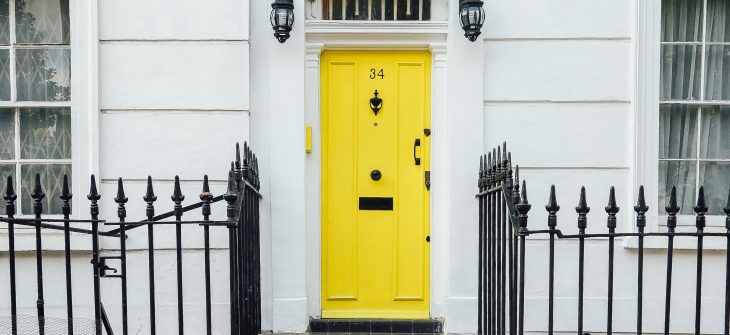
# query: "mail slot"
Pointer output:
{"type": "Point", "coordinates": [376, 204]}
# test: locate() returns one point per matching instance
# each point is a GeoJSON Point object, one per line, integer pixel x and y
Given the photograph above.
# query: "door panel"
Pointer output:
{"type": "Point", "coordinates": [342, 249]}
{"type": "Point", "coordinates": [375, 262]}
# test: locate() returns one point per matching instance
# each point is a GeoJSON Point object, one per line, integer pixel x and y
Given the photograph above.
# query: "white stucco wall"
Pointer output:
{"type": "Point", "coordinates": [180, 83]}
{"type": "Point", "coordinates": [559, 87]}
{"type": "Point", "coordinates": [173, 97]}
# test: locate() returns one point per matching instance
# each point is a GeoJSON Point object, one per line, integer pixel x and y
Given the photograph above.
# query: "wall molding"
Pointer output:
{"type": "Point", "coordinates": [400, 35]}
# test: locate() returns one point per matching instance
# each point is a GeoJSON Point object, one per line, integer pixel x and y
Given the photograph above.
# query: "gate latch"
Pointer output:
{"type": "Point", "coordinates": [427, 178]}
{"type": "Point", "coordinates": [104, 268]}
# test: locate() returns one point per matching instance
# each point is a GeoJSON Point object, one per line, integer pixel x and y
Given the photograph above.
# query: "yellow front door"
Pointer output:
{"type": "Point", "coordinates": [375, 166]}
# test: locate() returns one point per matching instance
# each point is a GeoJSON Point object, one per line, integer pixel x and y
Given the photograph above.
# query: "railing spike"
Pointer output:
{"type": "Point", "coordinates": [498, 163]}
{"type": "Point", "coordinates": [10, 197]}
{"type": "Point", "coordinates": [509, 164]}
{"type": "Point", "coordinates": [582, 202]}
{"type": "Point", "coordinates": [206, 197]}
{"type": "Point", "coordinates": [522, 208]}
{"type": "Point", "coordinates": [231, 188]}
{"type": "Point", "coordinates": [238, 155]}
{"type": "Point", "coordinates": [700, 209]}
{"type": "Point", "coordinates": [516, 186]}
{"type": "Point", "coordinates": [552, 207]}
{"type": "Point", "coordinates": [523, 195]}
{"type": "Point", "coordinates": [612, 209]}
{"type": "Point", "coordinates": [10, 190]}
{"type": "Point", "coordinates": [582, 209]}
{"type": "Point", "coordinates": [505, 158]}
{"type": "Point", "coordinates": [257, 181]}
{"type": "Point", "coordinates": [641, 208]}
{"type": "Point", "coordinates": [150, 196]}
{"type": "Point", "coordinates": [177, 195]}
{"type": "Point", "coordinates": [672, 208]}
{"type": "Point", "coordinates": [121, 198]}
{"type": "Point", "coordinates": [65, 192]}
{"type": "Point", "coordinates": [37, 189]}
{"type": "Point", "coordinates": [247, 155]}
{"type": "Point", "coordinates": [480, 181]}
{"type": "Point", "coordinates": [641, 202]}
{"type": "Point", "coordinates": [206, 187]}
{"type": "Point", "coordinates": [701, 206]}
{"type": "Point", "coordinates": [93, 193]}
{"type": "Point", "coordinates": [488, 171]}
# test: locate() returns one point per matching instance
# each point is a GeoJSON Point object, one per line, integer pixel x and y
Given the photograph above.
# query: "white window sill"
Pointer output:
{"type": "Point", "coordinates": [680, 243]}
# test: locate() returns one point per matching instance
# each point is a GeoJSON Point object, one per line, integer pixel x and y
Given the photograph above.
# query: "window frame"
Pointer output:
{"type": "Point", "coordinates": [16, 105]}
{"type": "Point", "coordinates": [646, 111]}
{"type": "Point", "coordinates": [84, 104]}
{"type": "Point", "coordinates": [314, 10]}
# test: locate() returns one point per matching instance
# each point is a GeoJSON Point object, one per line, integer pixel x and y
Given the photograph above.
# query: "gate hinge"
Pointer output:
{"type": "Point", "coordinates": [428, 180]}
{"type": "Point", "coordinates": [427, 132]}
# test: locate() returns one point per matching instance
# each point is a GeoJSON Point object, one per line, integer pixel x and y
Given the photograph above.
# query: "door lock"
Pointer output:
{"type": "Point", "coordinates": [376, 175]}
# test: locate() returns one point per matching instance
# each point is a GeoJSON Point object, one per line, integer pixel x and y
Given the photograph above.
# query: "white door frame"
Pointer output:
{"type": "Point", "coordinates": [378, 35]}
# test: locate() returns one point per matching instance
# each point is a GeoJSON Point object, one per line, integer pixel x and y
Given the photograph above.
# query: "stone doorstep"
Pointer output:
{"type": "Point", "coordinates": [381, 326]}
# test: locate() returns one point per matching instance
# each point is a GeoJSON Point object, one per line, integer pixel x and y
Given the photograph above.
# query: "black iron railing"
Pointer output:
{"type": "Point", "coordinates": [242, 197]}
{"type": "Point", "coordinates": [503, 214]}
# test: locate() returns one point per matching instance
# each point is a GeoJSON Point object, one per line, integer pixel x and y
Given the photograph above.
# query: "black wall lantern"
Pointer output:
{"type": "Point", "coordinates": [282, 18]}
{"type": "Point", "coordinates": [471, 15]}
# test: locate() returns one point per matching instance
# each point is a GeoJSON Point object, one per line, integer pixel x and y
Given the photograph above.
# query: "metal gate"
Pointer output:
{"type": "Point", "coordinates": [503, 214]}
{"type": "Point", "coordinates": [242, 225]}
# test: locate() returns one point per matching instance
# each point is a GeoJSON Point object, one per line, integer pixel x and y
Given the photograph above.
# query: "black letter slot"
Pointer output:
{"type": "Point", "coordinates": [376, 204]}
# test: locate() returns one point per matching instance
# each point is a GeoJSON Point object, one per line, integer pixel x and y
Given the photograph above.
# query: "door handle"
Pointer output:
{"type": "Point", "coordinates": [417, 143]}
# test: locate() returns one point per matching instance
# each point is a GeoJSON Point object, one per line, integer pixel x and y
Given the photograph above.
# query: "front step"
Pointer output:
{"type": "Point", "coordinates": [384, 326]}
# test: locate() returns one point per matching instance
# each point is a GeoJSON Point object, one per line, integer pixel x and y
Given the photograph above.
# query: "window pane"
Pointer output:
{"type": "Point", "coordinates": [718, 21]}
{"type": "Point", "coordinates": [377, 10]}
{"type": "Point", "coordinates": [5, 171]}
{"type": "Point", "coordinates": [680, 72]}
{"type": "Point", "coordinates": [682, 20]}
{"type": "Point", "coordinates": [45, 133]}
{"type": "Point", "coordinates": [682, 175]}
{"type": "Point", "coordinates": [717, 72]}
{"type": "Point", "coordinates": [51, 182]}
{"type": "Point", "coordinates": [4, 22]}
{"type": "Point", "coordinates": [44, 74]}
{"type": "Point", "coordinates": [4, 75]}
{"type": "Point", "coordinates": [715, 176]}
{"type": "Point", "coordinates": [42, 21]}
{"type": "Point", "coordinates": [715, 134]}
{"type": "Point", "coordinates": [7, 134]}
{"type": "Point", "coordinates": [677, 128]}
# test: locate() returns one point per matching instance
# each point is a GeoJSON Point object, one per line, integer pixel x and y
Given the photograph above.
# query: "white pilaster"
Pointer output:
{"type": "Point", "coordinates": [313, 178]}
{"type": "Point", "coordinates": [439, 179]}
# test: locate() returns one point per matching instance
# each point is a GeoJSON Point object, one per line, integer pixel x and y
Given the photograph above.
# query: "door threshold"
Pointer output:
{"type": "Point", "coordinates": [383, 326]}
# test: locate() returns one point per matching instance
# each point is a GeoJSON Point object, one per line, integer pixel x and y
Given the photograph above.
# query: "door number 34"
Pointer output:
{"type": "Point", "coordinates": [374, 73]}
